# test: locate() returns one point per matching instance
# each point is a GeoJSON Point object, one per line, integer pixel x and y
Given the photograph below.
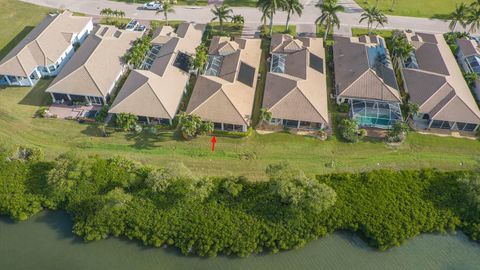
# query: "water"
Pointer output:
{"type": "Point", "coordinates": [45, 242]}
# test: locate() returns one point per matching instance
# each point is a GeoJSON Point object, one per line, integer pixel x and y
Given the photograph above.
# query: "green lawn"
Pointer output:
{"type": "Point", "coordinates": [356, 32]}
{"type": "Point", "coordinates": [17, 22]}
{"type": "Point", "coordinates": [241, 3]}
{"type": "Point", "coordinates": [55, 136]}
{"type": "Point", "coordinates": [232, 29]}
{"type": "Point", "coordinates": [415, 8]}
{"type": "Point", "coordinates": [292, 29]}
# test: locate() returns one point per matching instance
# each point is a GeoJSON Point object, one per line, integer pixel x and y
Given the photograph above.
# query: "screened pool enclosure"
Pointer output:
{"type": "Point", "coordinates": [376, 114]}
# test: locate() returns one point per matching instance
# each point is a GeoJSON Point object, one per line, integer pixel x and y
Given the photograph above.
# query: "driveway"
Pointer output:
{"type": "Point", "coordinates": [349, 18]}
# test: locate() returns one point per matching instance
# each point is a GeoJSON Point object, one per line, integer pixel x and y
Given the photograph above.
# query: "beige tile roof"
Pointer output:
{"type": "Point", "coordinates": [356, 77]}
{"type": "Point", "coordinates": [157, 92]}
{"type": "Point", "coordinates": [468, 47]}
{"type": "Point", "coordinates": [438, 86]}
{"type": "Point", "coordinates": [94, 68]}
{"type": "Point", "coordinates": [44, 45]}
{"type": "Point", "coordinates": [301, 92]}
{"type": "Point", "coordinates": [225, 99]}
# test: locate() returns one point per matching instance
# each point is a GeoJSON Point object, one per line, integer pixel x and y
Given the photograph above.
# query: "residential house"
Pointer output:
{"type": "Point", "coordinates": [365, 79]}
{"type": "Point", "coordinates": [225, 92]}
{"type": "Point", "coordinates": [45, 50]}
{"type": "Point", "coordinates": [154, 91]}
{"type": "Point", "coordinates": [296, 85]}
{"type": "Point", "coordinates": [468, 55]}
{"type": "Point", "coordinates": [91, 74]}
{"type": "Point", "coordinates": [435, 82]}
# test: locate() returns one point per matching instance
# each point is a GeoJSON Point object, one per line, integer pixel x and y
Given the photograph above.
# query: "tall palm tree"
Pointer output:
{"type": "Point", "coordinates": [473, 20]}
{"type": "Point", "coordinates": [167, 7]}
{"type": "Point", "coordinates": [268, 8]}
{"type": "Point", "coordinates": [221, 13]}
{"type": "Point", "coordinates": [329, 16]}
{"type": "Point", "coordinates": [458, 16]}
{"type": "Point", "coordinates": [401, 48]}
{"type": "Point", "coordinates": [369, 15]}
{"type": "Point", "coordinates": [292, 7]}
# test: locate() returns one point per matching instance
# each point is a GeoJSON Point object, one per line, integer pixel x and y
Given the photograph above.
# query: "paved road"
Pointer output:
{"type": "Point", "coordinates": [252, 16]}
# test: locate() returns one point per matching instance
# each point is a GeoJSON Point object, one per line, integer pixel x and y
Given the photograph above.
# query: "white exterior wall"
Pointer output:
{"type": "Point", "coordinates": [61, 61]}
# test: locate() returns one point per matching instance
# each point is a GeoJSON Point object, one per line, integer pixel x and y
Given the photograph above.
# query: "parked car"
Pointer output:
{"type": "Point", "coordinates": [155, 5]}
{"type": "Point", "coordinates": [140, 28]}
{"type": "Point", "coordinates": [132, 25]}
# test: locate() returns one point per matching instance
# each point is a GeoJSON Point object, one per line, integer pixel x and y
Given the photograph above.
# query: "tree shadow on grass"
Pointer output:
{"type": "Point", "coordinates": [93, 130]}
{"type": "Point", "coordinates": [145, 140]}
{"type": "Point", "coordinates": [21, 35]}
{"type": "Point", "coordinates": [440, 16]}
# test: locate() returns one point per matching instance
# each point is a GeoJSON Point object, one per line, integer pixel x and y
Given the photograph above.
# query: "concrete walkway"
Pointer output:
{"type": "Point", "coordinates": [306, 30]}
{"type": "Point", "coordinates": [350, 18]}
{"type": "Point", "coordinates": [251, 30]}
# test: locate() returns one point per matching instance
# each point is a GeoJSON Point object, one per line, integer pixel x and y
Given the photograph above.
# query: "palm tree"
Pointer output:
{"type": "Point", "coordinates": [292, 7]}
{"type": "Point", "coordinates": [458, 16]}
{"type": "Point", "coordinates": [412, 110]}
{"type": "Point", "coordinates": [474, 20]}
{"type": "Point", "coordinates": [329, 16]}
{"type": "Point", "coordinates": [265, 115]}
{"type": "Point", "coordinates": [167, 7]}
{"type": "Point", "coordinates": [238, 19]}
{"type": "Point", "coordinates": [222, 13]}
{"type": "Point", "coordinates": [370, 14]}
{"type": "Point", "coordinates": [268, 8]}
{"type": "Point", "coordinates": [107, 12]}
{"type": "Point", "coordinates": [380, 19]}
{"type": "Point", "coordinates": [401, 48]}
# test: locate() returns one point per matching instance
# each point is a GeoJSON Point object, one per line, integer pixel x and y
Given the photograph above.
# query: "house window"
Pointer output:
{"type": "Point", "coordinates": [447, 125]}
{"type": "Point", "coordinates": [96, 100]}
{"type": "Point", "coordinates": [290, 123]}
{"type": "Point", "coordinates": [276, 121]}
{"type": "Point", "coordinates": [51, 68]}
{"type": "Point", "coordinates": [217, 126]}
{"type": "Point", "coordinates": [45, 70]}
{"type": "Point", "coordinates": [461, 126]}
{"type": "Point", "coordinates": [12, 79]}
{"type": "Point", "coordinates": [165, 121]}
{"type": "Point", "coordinates": [228, 127]}
{"type": "Point", "coordinates": [470, 127]}
{"type": "Point", "coordinates": [310, 125]}
{"type": "Point", "coordinates": [436, 124]}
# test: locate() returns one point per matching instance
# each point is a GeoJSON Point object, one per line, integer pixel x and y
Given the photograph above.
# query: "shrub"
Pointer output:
{"type": "Point", "coordinates": [230, 215]}
{"type": "Point", "coordinates": [102, 114]}
{"type": "Point", "coordinates": [297, 190]}
{"type": "Point", "coordinates": [343, 108]}
{"type": "Point", "coordinates": [42, 112]}
{"type": "Point", "coordinates": [398, 132]}
{"type": "Point", "coordinates": [126, 121]}
{"type": "Point", "coordinates": [350, 131]}
{"type": "Point", "coordinates": [191, 125]}
{"type": "Point", "coordinates": [29, 153]}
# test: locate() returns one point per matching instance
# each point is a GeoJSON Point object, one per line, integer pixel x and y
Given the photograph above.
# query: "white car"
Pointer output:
{"type": "Point", "coordinates": [155, 5]}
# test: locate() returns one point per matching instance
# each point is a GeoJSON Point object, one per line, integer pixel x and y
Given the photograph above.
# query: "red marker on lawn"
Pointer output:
{"type": "Point", "coordinates": [214, 140]}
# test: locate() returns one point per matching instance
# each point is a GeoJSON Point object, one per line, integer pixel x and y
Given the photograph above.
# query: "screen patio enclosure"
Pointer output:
{"type": "Point", "coordinates": [378, 114]}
